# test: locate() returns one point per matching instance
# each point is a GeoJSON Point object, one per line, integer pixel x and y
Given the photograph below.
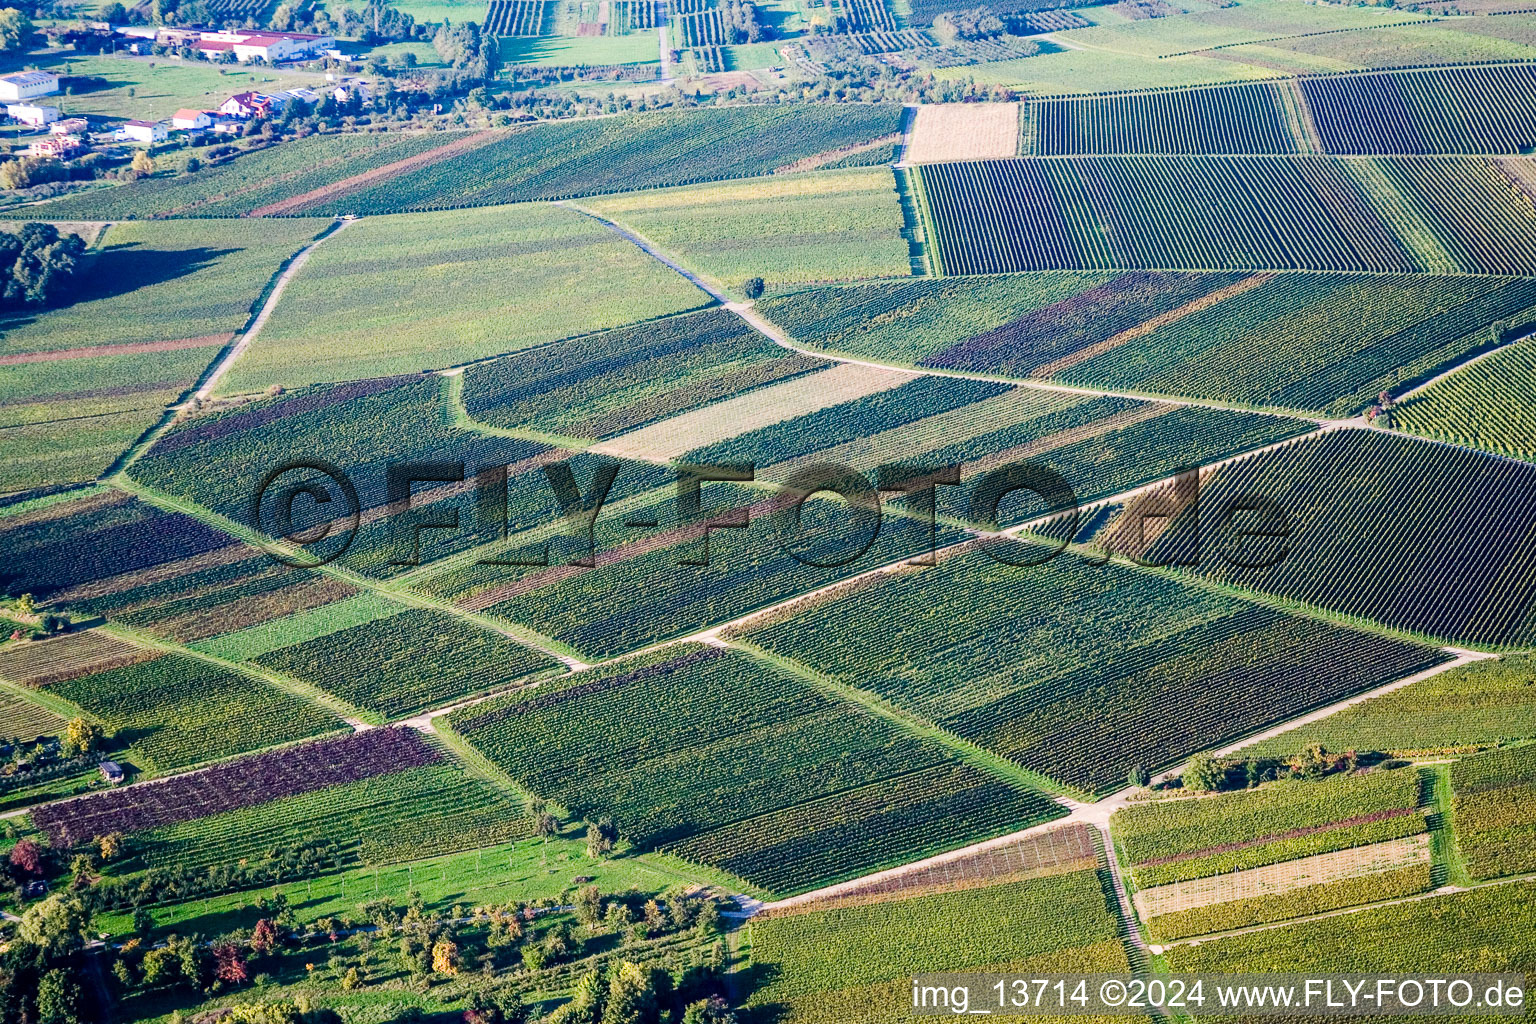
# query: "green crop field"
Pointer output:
{"type": "Point", "coordinates": [451, 288]}
{"type": "Point", "coordinates": [1486, 405]}
{"type": "Point", "coordinates": [434, 809]}
{"type": "Point", "coordinates": [1476, 705]}
{"type": "Point", "coordinates": [1445, 110]}
{"type": "Point", "coordinates": [604, 384]}
{"type": "Point", "coordinates": [1349, 339]}
{"type": "Point", "coordinates": [706, 512]}
{"type": "Point", "coordinates": [620, 154]}
{"type": "Point", "coordinates": [1472, 583]}
{"type": "Point", "coordinates": [625, 742]}
{"type": "Point", "coordinates": [252, 179]}
{"type": "Point", "coordinates": [904, 321]}
{"type": "Point", "coordinates": [1245, 22]}
{"type": "Point", "coordinates": [997, 654]}
{"type": "Point", "coordinates": [175, 711]}
{"type": "Point", "coordinates": [854, 963]}
{"type": "Point", "coordinates": [175, 292]}
{"type": "Point", "coordinates": [120, 88]}
{"type": "Point", "coordinates": [407, 662]}
{"type": "Point", "coordinates": [823, 226]}
{"type": "Point", "coordinates": [1481, 930]}
{"type": "Point", "coordinates": [1495, 812]}
{"type": "Point", "coordinates": [366, 427]}
{"type": "Point", "coordinates": [1168, 841]}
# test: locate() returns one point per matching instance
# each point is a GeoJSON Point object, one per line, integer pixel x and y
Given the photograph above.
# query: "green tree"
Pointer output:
{"type": "Point", "coordinates": [636, 995]}
{"type": "Point", "coordinates": [753, 288]}
{"type": "Point", "coordinates": [80, 737]}
{"type": "Point", "coordinates": [709, 1011]}
{"type": "Point", "coordinates": [142, 164]}
{"type": "Point", "coordinates": [1139, 777]}
{"type": "Point", "coordinates": [56, 925]}
{"type": "Point", "coordinates": [1203, 775]}
{"type": "Point", "coordinates": [15, 30]}
{"type": "Point", "coordinates": [59, 999]}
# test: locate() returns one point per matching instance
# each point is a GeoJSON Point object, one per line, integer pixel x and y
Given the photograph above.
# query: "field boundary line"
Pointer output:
{"type": "Point", "coordinates": [241, 339]}
{"type": "Point", "coordinates": [959, 853]}
{"type": "Point", "coordinates": [357, 182]}
{"type": "Point", "coordinates": [273, 296]}
{"type": "Point", "coordinates": [355, 717]}
{"type": "Point", "coordinates": [914, 725]}
{"type": "Point", "coordinates": [1459, 658]}
{"type": "Point", "coordinates": [1449, 890]}
{"type": "Point", "coordinates": [402, 595]}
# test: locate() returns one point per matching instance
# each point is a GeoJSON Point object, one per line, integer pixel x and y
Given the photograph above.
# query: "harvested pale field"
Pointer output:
{"type": "Point", "coordinates": [757, 409]}
{"type": "Point", "coordinates": [1287, 876]}
{"type": "Point", "coordinates": [1055, 852]}
{"type": "Point", "coordinates": [964, 131]}
{"type": "Point", "coordinates": [44, 662]}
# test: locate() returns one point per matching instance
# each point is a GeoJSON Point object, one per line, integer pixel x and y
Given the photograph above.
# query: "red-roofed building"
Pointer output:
{"type": "Point", "coordinates": [191, 120]}
{"type": "Point", "coordinates": [246, 105]}
{"type": "Point", "coordinates": [271, 47]}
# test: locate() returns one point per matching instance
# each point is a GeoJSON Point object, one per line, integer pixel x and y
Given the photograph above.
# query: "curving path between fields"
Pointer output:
{"type": "Point", "coordinates": [252, 329]}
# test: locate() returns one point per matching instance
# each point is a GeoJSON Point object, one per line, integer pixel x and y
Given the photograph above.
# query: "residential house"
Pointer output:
{"type": "Point", "coordinates": [143, 131]}
{"type": "Point", "coordinates": [70, 126]}
{"type": "Point", "coordinates": [28, 85]}
{"type": "Point", "coordinates": [188, 120]}
{"type": "Point", "coordinates": [30, 113]}
{"type": "Point", "coordinates": [246, 105]}
{"type": "Point", "coordinates": [60, 147]}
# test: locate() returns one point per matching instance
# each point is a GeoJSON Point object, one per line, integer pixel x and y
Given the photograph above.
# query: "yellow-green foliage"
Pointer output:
{"type": "Point", "coordinates": [790, 229]}
{"type": "Point", "coordinates": [401, 294]}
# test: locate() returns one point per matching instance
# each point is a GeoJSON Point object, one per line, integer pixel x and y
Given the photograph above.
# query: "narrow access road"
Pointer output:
{"type": "Point", "coordinates": [295, 265]}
